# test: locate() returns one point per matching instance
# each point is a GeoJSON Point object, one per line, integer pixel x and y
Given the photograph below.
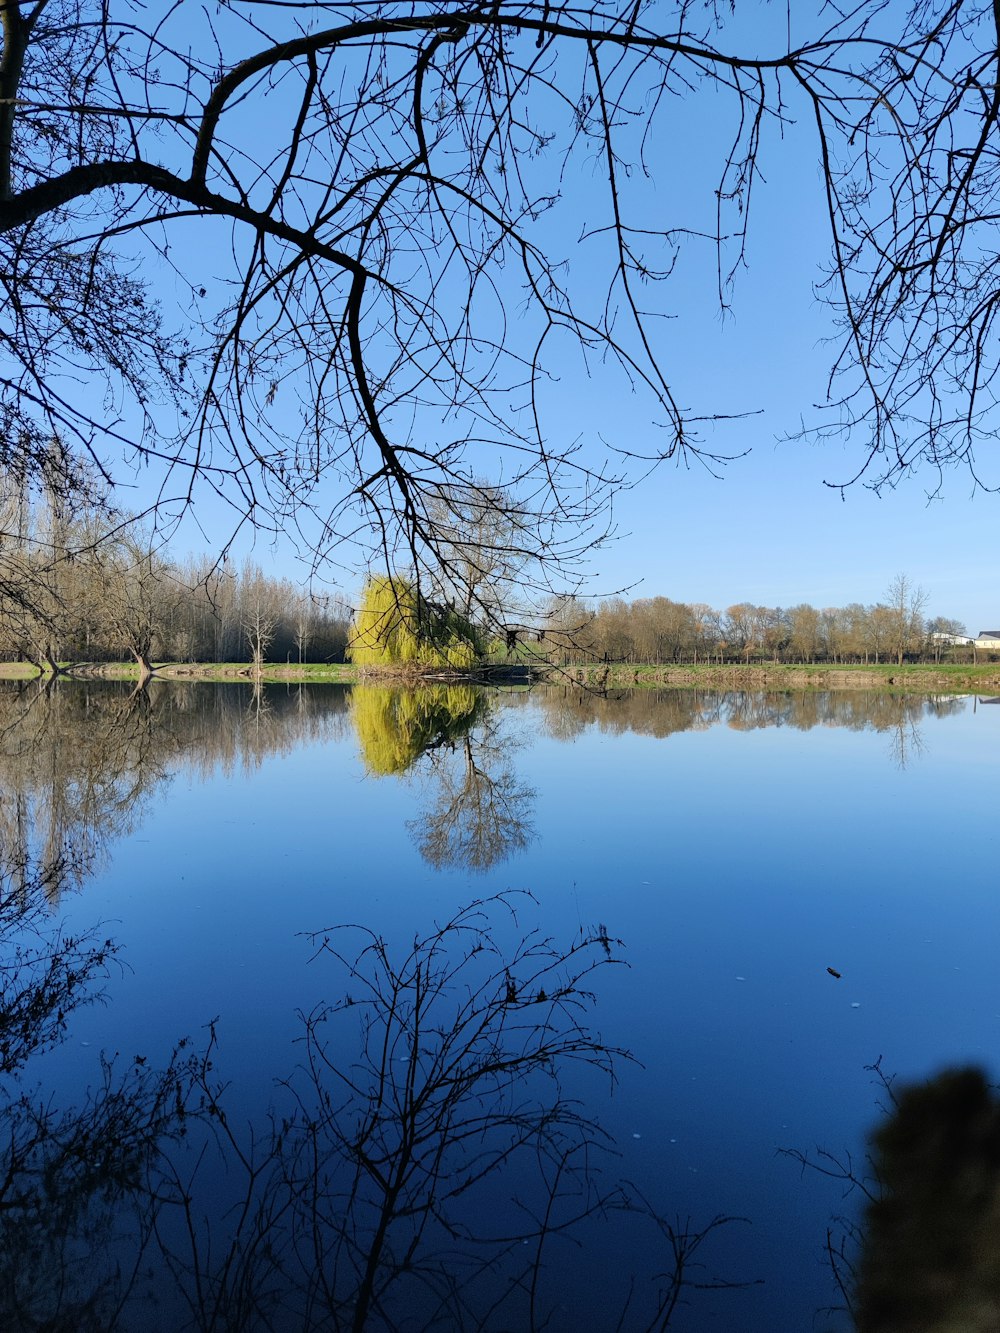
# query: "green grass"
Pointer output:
{"type": "Point", "coordinates": [16, 671]}
{"type": "Point", "coordinates": [919, 677]}
{"type": "Point", "coordinates": [922, 677]}
{"type": "Point", "coordinates": [308, 671]}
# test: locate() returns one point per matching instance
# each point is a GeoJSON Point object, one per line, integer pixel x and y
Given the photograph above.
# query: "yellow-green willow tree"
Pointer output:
{"type": "Point", "coordinates": [396, 627]}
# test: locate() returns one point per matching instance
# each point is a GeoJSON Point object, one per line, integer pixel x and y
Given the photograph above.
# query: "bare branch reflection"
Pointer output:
{"type": "Point", "coordinates": [420, 1164]}
{"type": "Point", "coordinates": [70, 1175]}
{"type": "Point", "coordinates": [482, 810]}
{"type": "Point", "coordinates": [45, 972]}
{"type": "Point", "coordinates": [428, 1155]}
{"type": "Point", "coordinates": [479, 811]}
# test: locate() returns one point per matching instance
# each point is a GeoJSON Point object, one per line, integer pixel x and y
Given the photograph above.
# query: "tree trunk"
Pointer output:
{"type": "Point", "coordinates": [51, 665]}
{"type": "Point", "coordinates": [145, 666]}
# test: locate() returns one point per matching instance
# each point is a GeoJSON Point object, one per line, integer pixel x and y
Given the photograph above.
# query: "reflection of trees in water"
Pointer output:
{"type": "Point", "coordinates": [479, 810]}
{"type": "Point", "coordinates": [856, 710]}
{"type": "Point", "coordinates": [65, 1171]}
{"type": "Point", "coordinates": [76, 1207]}
{"type": "Point", "coordinates": [79, 761]}
{"type": "Point", "coordinates": [77, 766]}
{"type": "Point", "coordinates": [45, 974]}
{"type": "Point", "coordinates": [396, 726]}
{"type": "Point", "coordinates": [426, 1101]}
{"type": "Point", "coordinates": [897, 715]}
{"type": "Point", "coordinates": [233, 728]}
{"type": "Point", "coordinates": [570, 711]}
{"type": "Point", "coordinates": [422, 1162]}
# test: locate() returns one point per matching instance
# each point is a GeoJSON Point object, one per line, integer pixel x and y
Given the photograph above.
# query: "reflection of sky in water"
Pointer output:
{"type": "Point", "coordinates": [737, 866]}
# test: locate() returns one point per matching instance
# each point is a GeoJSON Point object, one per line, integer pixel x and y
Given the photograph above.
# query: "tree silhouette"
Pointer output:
{"type": "Point", "coordinates": [430, 1157]}
{"type": "Point", "coordinates": [422, 1159]}
{"type": "Point", "coordinates": [402, 264]}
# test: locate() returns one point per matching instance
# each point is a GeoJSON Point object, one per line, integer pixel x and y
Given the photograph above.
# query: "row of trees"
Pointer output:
{"type": "Point", "coordinates": [71, 594]}
{"type": "Point", "coordinates": [86, 588]}
{"type": "Point", "coordinates": [658, 630]}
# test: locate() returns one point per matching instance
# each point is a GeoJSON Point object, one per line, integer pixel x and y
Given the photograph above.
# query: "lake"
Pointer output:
{"type": "Point", "coordinates": [498, 1007]}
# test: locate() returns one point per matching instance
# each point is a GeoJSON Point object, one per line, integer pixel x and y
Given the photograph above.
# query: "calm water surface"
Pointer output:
{"type": "Point", "coordinates": [730, 849]}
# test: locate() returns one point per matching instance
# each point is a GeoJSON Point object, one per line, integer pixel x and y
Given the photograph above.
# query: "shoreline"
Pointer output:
{"type": "Point", "coordinates": [912, 678]}
{"type": "Point", "coordinates": [920, 678]}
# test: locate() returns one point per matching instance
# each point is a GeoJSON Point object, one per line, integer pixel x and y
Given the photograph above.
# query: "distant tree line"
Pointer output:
{"type": "Point", "coordinates": [658, 630]}
{"type": "Point", "coordinates": [84, 588]}
{"type": "Point", "coordinates": [92, 589]}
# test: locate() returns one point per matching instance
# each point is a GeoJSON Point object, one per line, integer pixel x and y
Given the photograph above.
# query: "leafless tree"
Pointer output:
{"type": "Point", "coordinates": [302, 627]}
{"type": "Point", "coordinates": [485, 540]}
{"type": "Point", "coordinates": [568, 634]}
{"type": "Point", "coordinates": [906, 602]}
{"type": "Point", "coordinates": [482, 808]}
{"type": "Point", "coordinates": [136, 596]}
{"type": "Point", "coordinates": [260, 614]}
{"type": "Point", "coordinates": [401, 265]}
{"type": "Point", "coordinates": [44, 596]}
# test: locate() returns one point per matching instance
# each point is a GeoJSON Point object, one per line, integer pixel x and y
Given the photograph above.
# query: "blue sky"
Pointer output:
{"type": "Point", "coordinates": [769, 531]}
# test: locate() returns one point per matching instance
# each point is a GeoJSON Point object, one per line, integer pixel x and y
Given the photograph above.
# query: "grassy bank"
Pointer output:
{"type": "Point", "coordinates": [918, 678]}
{"type": "Point", "coordinates": [923, 678]}
{"type": "Point", "coordinates": [234, 671]}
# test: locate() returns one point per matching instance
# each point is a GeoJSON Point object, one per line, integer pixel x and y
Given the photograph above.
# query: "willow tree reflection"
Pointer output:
{"type": "Point", "coordinates": [482, 810]}
{"type": "Point", "coordinates": [479, 811]}
{"type": "Point", "coordinates": [396, 726]}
